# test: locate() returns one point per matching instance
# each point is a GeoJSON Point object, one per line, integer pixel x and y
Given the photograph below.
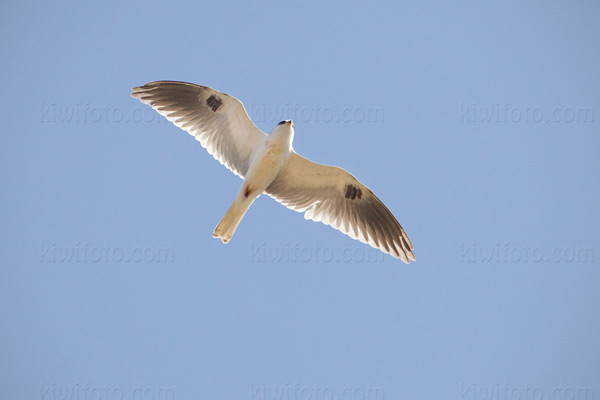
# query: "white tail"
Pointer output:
{"type": "Point", "coordinates": [231, 219]}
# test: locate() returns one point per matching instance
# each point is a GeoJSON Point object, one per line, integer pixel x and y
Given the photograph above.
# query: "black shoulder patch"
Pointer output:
{"type": "Point", "coordinates": [247, 191]}
{"type": "Point", "coordinates": [352, 192]}
{"type": "Point", "coordinates": [214, 102]}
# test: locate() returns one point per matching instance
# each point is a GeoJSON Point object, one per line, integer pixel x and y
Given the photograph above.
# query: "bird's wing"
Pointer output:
{"type": "Point", "coordinates": [218, 121]}
{"type": "Point", "coordinates": [333, 196]}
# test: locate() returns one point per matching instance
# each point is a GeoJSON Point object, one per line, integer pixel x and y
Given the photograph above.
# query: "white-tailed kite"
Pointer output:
{"type": "Point", "coordinates": [268, 164]}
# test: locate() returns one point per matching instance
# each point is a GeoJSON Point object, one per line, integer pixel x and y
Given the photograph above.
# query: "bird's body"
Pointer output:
{"type": "Point", "coordinates": [265, 164]}
{"type": "Point", "coordinates": [268, 164]}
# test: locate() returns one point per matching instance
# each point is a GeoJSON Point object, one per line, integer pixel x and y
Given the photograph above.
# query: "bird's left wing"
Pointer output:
{"type": "Point", "coordinates": [333, 196]}
{"type": "Point", "coordinates": [218, 121]}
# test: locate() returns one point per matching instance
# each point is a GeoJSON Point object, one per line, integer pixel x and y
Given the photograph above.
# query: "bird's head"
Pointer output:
{"type": "Point", "coordinates": [284, 131]}
{"type": "Point", "coordinates": [284, 125]}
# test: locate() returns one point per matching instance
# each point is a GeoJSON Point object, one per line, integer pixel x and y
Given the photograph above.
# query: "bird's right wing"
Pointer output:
{"type": "Point", "coordinates": [218, 121]}
{"type": "Point", "coordinates": [333, 196]}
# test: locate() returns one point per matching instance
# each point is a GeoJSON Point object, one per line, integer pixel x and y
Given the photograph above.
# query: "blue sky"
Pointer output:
{"type": "Point", "coordinates": [477, 124]}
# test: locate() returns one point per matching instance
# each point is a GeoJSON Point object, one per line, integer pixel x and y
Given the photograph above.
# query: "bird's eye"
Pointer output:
{"type": "Point", "coordinates": [281, 123]}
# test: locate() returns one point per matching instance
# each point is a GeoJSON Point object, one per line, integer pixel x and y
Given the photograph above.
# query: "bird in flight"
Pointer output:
{"type": "Point", "coordinates": [268, 164]}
